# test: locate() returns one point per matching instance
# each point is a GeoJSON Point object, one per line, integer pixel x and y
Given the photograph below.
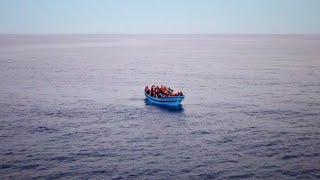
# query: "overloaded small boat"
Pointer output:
{"type": "Point", "coordinates": [163, 96]}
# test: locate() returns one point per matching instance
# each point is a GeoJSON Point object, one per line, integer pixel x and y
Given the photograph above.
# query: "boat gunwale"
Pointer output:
{"type": "Point", "coordinates": [165, 99]}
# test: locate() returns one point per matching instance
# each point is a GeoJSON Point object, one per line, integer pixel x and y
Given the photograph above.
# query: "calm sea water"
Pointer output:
{"type": "Point", "coordinates": [72, 106]}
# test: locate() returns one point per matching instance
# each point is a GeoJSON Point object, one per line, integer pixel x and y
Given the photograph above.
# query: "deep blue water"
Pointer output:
{"type": "Point", "coordinates": [72, 106]}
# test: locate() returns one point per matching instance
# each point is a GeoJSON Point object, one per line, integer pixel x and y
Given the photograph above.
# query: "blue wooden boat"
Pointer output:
{"type": "Point", "coordinates": [165, 101]}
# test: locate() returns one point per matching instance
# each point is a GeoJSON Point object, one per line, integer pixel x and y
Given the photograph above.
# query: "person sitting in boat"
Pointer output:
{"type": "Point", "coordinates": [162, 91]}
{"type": "Point", "coordinates": [180, 93]}
{"type": "Point", "coordinates": [147, 90]}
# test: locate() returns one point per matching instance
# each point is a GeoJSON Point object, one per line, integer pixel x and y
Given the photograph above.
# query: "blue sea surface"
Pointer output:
{"type": "Point", "coordinates": [73, 106]}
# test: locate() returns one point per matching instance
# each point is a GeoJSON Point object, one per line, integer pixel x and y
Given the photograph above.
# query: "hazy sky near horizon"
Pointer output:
{"type": "Point", "coordinates": [165, 16]}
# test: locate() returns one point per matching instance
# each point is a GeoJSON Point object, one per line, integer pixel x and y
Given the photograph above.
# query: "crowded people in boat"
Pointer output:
{"type": "Point", "coordinates": [161, 91]}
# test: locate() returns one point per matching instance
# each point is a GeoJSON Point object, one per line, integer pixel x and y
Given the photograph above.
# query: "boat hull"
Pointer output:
{"type": "Point", "coordinates": [167, 101]}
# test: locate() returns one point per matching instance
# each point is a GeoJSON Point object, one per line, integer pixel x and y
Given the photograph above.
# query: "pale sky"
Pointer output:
{"type": "Point", "coordinates": [161, 16]}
